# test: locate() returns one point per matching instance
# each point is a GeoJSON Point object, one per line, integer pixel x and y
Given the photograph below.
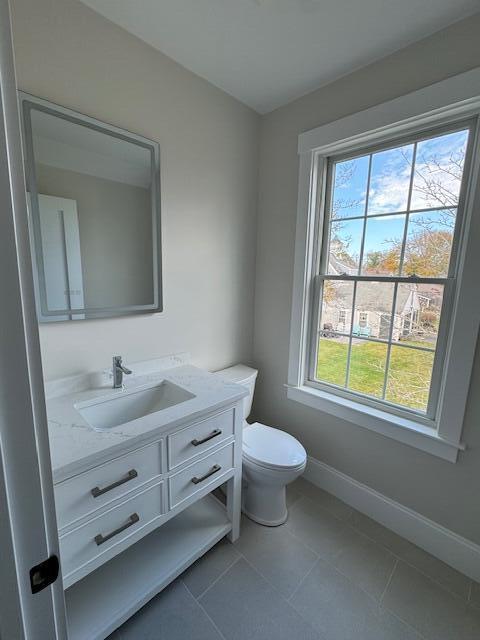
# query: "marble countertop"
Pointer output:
{"type": "Point", "coordinates": [75, 446]}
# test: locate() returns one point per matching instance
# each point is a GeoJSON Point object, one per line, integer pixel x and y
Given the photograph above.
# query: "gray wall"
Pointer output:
{"type": "Point", "coordinates": [115, 225]}
{"type": "Point", "coordinates": [70, 55]}
{"type": "Point", "coordinates": [444, 492]}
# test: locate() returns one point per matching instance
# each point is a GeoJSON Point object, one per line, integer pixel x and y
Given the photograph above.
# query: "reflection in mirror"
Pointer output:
{"type": "Point", "coordinates": [94, 210]}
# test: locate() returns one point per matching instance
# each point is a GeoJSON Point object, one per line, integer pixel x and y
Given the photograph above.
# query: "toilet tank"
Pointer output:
{"type": "Point", "coordinates": [246, 376]}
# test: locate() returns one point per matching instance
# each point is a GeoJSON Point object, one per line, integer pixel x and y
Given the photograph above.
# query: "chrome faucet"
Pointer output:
{"type": "Point", "coordinates": [118, 370]}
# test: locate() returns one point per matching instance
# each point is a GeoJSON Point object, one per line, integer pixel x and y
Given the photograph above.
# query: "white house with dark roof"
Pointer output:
{"type": "Point", "coordinates": [372, 315]}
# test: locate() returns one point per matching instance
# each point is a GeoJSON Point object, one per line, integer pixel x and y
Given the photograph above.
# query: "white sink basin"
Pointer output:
{"type": "Point", "coordinates": [130, 405]}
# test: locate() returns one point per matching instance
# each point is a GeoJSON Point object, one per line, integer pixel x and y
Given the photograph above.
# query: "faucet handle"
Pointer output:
{"type": "Point", "coordinates": [117, 364]}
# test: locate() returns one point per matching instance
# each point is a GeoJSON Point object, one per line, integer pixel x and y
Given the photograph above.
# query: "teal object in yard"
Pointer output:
{"type": "Point", "coordinates": [362, 332]}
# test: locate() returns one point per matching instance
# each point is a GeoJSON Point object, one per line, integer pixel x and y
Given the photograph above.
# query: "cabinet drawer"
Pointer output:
{"type": "Point", "coordinates": [79, 496]}
{"type": "Point", "coordinates": [197, 476]}
{"type": "Point", "coordinates": [198, 438]}
{"type": "Point", "coordinates": [82, 547]}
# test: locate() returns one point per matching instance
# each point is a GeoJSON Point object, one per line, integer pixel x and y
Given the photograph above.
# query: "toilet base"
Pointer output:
{"type": "Point", "coordinates": [265, 505]}
{"type": "Point", "coordinates": [266, 523]}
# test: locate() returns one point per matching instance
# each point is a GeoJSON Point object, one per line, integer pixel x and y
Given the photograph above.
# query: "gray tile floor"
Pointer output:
{"type": "Point", "coordinates": [329, 573]}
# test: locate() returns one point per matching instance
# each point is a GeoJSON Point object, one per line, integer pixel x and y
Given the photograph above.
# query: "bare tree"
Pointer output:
{"type": "Point", "coordinates": [344, 173]}
{"type": "Point", "coordinates": [437, 183]}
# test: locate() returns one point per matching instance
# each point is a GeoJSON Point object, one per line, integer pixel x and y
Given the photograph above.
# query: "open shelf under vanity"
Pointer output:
{"type": "Point", "coordinates": [107, 597]}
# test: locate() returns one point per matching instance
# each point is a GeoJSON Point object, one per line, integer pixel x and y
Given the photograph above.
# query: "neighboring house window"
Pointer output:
{"type": "Point", "coordinates": [363, 318]}
{"type": "Point", "coordinates": [384, 223]}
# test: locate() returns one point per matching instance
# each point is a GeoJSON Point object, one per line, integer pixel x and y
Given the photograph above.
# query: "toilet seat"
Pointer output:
{"type": "Point", "coordinates": [272, 448]}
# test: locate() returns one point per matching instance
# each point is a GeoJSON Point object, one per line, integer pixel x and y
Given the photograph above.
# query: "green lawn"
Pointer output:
{"type": "Point", "coordinates": [409, 372]}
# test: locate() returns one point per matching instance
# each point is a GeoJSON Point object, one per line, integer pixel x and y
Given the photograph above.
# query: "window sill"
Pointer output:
{"type": "Point", "coordinates": [406, 431]}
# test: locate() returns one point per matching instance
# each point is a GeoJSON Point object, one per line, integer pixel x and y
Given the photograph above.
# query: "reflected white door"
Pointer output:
{"type": "Point", "coordinates": [62, 260]}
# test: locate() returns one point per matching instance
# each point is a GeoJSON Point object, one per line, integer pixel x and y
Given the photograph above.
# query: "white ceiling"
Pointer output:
{"type": "Point", "coordinates": [268, 52]}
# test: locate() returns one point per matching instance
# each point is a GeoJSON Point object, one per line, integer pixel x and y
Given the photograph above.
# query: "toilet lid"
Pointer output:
{"type": "Point", "coordinates": [272, 448]}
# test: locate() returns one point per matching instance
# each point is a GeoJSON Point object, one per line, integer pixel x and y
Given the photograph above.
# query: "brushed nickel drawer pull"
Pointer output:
{"type": "Point", "coordinates": [215, 469]}
{"type": "Point", "coordinates": [96, 491]}
{"type": "Point", "coordinates": [214, 434]}
{"type": "Point", "coordinates": [100, 539]}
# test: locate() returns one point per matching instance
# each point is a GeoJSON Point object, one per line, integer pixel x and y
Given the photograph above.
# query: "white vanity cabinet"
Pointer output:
{"type": "Point", "coordinates": [133, 523]}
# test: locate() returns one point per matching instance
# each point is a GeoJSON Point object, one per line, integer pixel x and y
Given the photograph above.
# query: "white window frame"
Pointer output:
{"type": "Point", "coordinates": [440, 104]}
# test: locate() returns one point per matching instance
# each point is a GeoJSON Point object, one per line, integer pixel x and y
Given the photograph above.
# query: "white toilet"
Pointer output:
{"type": "Point", "coordinates": [271, 459]}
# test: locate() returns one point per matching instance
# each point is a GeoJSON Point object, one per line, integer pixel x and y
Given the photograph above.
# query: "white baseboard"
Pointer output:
{"type": "Point", "coordinates": [458, 552]}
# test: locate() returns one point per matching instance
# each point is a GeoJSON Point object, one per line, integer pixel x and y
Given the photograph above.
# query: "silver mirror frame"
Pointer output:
{"type": "Point", "coordinates": [27, 104]}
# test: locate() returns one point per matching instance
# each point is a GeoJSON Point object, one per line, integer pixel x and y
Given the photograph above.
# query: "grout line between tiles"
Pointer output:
{"type": "Point", "coordinates": [395, 555]}
{"type": "Point", "coordinates": [300, 542]}
{"type": "Point", "coordinates": [203, 608]}
{"type": "Point", "coordinates": [260, 574]}
{"type": "Point", "coordinates": [270, 584]}
{"type": "Point", "coordinates": [350, 524]}
{"type": "Point", "coordinates": [357, 586]}
{"type": "Point", "coordinates": [331, 563]}
{"type": "Point", "coordinates": [405, 622]}
{"type": "Point", "coordinates": [398, 559]}
{"type": "Point", "coordinates": [430, 577]}
{"type": "Point", "coordinates": [211, 620]}
{"type": "Point", "coordinates": [378, 601]}
{"type": "Point", "coordinates": [296, 499]}
{"type": "Point", "coordinates": [287, 600]}
{"type": "Point", "coordinates": [322, 508]}
{"type": "Point", "coordinates": [413, 566]}
{"type": "Point", "coordinates": [388, 581]}
{"type": "Point", "coordinates": [216, 579]}
{"type": "Point", "coordinates": [302, 581]}
{"type": "Point", "coordinates": [420, 635]}
{"type": "Point", "coordinates": [307, 546]}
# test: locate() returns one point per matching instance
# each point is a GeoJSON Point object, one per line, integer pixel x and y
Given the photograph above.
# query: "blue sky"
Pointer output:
{"type": "Point", "coordinates": [389, 185]}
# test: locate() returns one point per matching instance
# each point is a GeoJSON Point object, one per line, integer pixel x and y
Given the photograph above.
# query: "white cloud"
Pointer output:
{"type": "Point", "coordinates": [389, 192]}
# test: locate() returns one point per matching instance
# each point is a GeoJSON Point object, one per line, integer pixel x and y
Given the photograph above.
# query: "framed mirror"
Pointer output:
{"type": "Point", "coordinates": [94, 215]}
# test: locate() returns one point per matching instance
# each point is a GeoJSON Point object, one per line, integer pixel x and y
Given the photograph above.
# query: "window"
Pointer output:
{"type": "Point", "coordinates": [363, 318]}
{"type": "Point", "coordinates": [385, 305]}
{"type": "Point", "coordinates": [385, 257]}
